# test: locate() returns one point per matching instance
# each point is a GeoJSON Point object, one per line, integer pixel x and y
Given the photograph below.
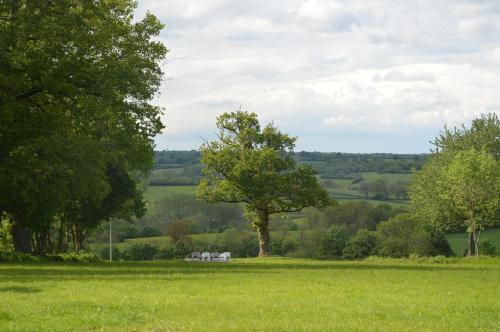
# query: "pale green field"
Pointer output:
{"type": "Point", "coordinates": [391, 177]}
{"type": "Point", "coordinates": [251, 295]}
{"type": "Point", "coordinates": [155, 193]}
{"type": "Point", "coordinates": [342, 194]}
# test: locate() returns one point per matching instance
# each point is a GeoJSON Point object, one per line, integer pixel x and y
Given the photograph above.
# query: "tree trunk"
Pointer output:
{"type": "Point", "coordinates": [40, 242]}
{"type": "Point", "coordinates": [21, 237]}
{"type": "Point", "coordinates": [471, 245]}
{"type": "Point", "coordinates": [263, 229]}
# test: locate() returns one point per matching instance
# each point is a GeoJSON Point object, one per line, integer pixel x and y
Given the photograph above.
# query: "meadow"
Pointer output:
{"type": "Point", "coordinates": [270, 294]}
{"type": "Point", "coordinates": [343, 191]}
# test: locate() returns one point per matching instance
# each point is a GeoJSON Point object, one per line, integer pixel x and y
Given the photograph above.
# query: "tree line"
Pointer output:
{"type": "Point", "coordinates": [382, 189]}
{"type": "Point", "coordinates": [184, 167]}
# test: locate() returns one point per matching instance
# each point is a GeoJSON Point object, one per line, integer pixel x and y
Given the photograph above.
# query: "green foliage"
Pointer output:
{"type": "Point", "coordinates": [83, 257]}
{"type": "Point", "coordinates": [6, 245]}
{"type": "Point", "coordinates": [361, 245]}
{"type": "Point", "coordinates": [254, 165]}
{"type": "Point", "coordinates": [459, 186]}
{"type": "Point", "coordinates": [103, 252]}
{"type": "Point", "coordinates": [458, 241]}
{"type": "Point", "coordinates": [284, 246]}
{"type": "Point", "coordinates": [333, 241]}
{"type": "Point", "coordinates": [352, 215]}
{"type": "Point", "coordinates": [403, 235]}
{"type": "Point", "coordinates": [76, 121]}
{"type": "Point", "coordinates": [18, 257]}
{"type": "Point", "coordinates": [139, 252]}
{"type": "Point", "coordinates": [239, 243]}
{"type": "Point", "coordinates": [486, 248]}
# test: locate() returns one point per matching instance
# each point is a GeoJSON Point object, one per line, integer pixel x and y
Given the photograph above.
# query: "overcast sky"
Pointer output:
{"type": "Point", "coordinates": [349, 76]}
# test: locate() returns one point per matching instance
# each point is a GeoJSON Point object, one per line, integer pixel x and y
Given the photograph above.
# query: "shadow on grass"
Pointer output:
{"type": "Point", "coordinates": [172, 269]}
{"type": "Point", "coordinates": [19, 289]}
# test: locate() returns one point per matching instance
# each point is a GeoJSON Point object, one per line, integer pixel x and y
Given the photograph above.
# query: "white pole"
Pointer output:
{"type": "Point", "coordinates": [110, 244]}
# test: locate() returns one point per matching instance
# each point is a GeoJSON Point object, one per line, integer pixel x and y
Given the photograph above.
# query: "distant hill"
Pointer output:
{"type": "Point", "coordinates": [184, 167]}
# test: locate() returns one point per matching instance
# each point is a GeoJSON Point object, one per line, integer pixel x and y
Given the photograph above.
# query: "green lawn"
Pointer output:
{"type": "Point", "coordinates": [274, 294]}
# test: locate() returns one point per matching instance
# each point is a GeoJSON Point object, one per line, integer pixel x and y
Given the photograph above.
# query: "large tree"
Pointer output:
{"type": "Point", "coordinates": [459, 186]}
{"type": "Point", "coordinates": [76, 80]}
{"type": "Point", "coordinates": [253, 165]}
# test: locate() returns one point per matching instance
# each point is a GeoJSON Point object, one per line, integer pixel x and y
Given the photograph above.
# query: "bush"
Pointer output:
{"type": "Point", "coordinates": [361, 245]}
{"type": "Point", "coordinates": [439, 244]}
{"type": "Point", "coordinates": [239, 243]}
{"type": "Point", "coordinates": [6, 245]}
{"type": "Point", "coordinates": [181, 249]}
{"type": "Point", "coordinates": [165, 253]}
{"type": "Point", "coordinates": [140, 252]}
{"type": "Point", "coordinates": [487, 249]}
{"type": "Point", "coordinates": [84, 257]}
{"type": "Point", "coordinates": [149, 231]}
{"type": "Point", "coordinates": [332, 243]}
{"type": "Point", "coordinates": [402, 236]}
{"type": "Point", "coordinates": [13, 256]}
{"type": "Point", "coordinates": [103, 253]}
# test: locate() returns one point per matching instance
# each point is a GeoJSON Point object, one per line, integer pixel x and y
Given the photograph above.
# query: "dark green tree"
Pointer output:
{"type": "Point", "coordinates": [76, 80]}
{"type": "Point", "coordinates": [253, 165]}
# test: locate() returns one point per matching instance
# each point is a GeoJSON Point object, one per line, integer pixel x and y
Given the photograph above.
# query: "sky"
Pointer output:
{"type": "Point", "coordinates": [349, 76]}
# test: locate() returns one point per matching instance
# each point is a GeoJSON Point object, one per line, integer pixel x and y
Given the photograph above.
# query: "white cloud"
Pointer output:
{"type": "Point", "coordinates": [379, 70]}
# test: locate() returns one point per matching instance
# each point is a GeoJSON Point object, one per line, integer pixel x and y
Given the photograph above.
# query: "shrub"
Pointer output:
{"type": "Point", "coordinates": [332, 243]}
{"type": "Point", "coordinates": [239, 243]}
{"type": "Point", "coordinates": [165, 253]}
{"type": "Point", "coordinates": [103, 253]}
{"type": "Point", "coordinates": [149, 231]}
{"type": "Point", "coordinates": [181, 249]}
{"type": "Point", "coordinates": [6, 245]}
{"type": "Point", "coordinates": [276, 248]}
{"type": "Point", "coordinates": [361, 245]}
{"type": "Point", "coordinates": [84, 257]}
{"type": "Point", "coordinates": [140, 252]}
{"type": "Point", "coordinates": [17, 257]}
{"type": "Point", "coordinates": [439, 244]}
{"type": "Point", "coordinates": [289, 244]}
{"type": "Point", "coordinates": [487, 249]}
{"type": "Point", "coordinates": [402, 236]}
{"type": "Point", "coordinates": [394, 236]}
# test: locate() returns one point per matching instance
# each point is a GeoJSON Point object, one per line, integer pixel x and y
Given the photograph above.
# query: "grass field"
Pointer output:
{"type": "Point", "coordinates": [155, 193]}
{"type": "Point", "coordinates": [341, 193]}
{"type": "Point", "coordinates": [251, 295]}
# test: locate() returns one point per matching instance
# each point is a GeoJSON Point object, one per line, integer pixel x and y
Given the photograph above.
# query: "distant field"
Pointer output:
{"type": "Point", "coordinates": [341, 193]}
{"type": "Point", "coordinates": [458, 241]}
{"type": "Point", "coordinates": [391, 177]}
{"type": "Point", "coordinates": [269, 294]}
{"type": "Point", "coordinates": [155, 193]}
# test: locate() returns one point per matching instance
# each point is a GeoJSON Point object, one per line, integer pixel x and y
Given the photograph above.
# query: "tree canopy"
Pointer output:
{"type": "Point", "coordinates": [253, 165]}
{"type": "Point", "coordinates": [459, 187]}
{"type": "Point", "coordinates": [76, 124]}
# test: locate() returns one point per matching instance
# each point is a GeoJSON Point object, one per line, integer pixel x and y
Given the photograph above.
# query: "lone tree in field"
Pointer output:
{"type": "Point", "coordinates": [254, 165]}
